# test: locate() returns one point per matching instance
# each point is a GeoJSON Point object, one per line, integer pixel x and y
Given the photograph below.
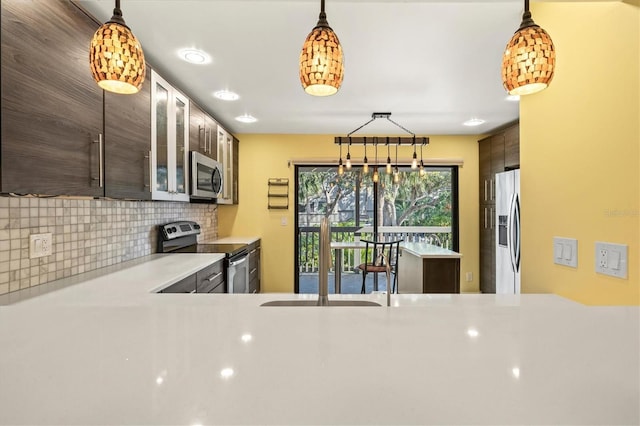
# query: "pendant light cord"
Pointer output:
{"type": "Point", "coordinates": [527, 21]}
{"type": "Point", "coordinates": [117, 15]}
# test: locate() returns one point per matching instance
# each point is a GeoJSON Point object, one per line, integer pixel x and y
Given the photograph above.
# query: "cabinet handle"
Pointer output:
{"type": "Point", "coordinates": [491, 189]}
{"type": "Point", "coordinates": [485, 218]}
{"type": "Point", "coordinates": [253, 270]}
{"type": "Point", "coordinates": [485, 190]}
{"type": "Point", "coordinates": [213, 277]}
{"type": "Point", "coordinates": [252, 252]}
{"type": "Point", "coordinates": [200, 130]}
{"type": "Point", "coordinates": [147, 176]}
{"type": "Point", "coordinates": [100, 177]}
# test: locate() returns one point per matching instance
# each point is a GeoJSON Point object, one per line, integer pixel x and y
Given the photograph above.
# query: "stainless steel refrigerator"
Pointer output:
{"type": "Point", "coordinates": [508, 232]}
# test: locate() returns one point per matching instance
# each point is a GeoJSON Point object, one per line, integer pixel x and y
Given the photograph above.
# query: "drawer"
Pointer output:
{"type": "Point", "coordinates": [186, 285]}
{"type": "Point", "coordinates": [211, 279]}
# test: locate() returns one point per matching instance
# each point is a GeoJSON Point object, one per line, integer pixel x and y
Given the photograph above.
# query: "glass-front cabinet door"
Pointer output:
{"type": "Point", "coordinates": [169, 142]}
{"type": "Point", "coordinates": [225, 156]}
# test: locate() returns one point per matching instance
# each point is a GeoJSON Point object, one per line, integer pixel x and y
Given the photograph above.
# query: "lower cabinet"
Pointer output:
{"type": "Point", "coordinates": [211, 279]}
{"type": "Point", "coordinates": [185, 285]}
{"type": "Point", "coordinates": [428, 275]}
{"type": "Point", "coordinates": [254, 268]}
{"type": "Point", "coordinates": [206, 280]}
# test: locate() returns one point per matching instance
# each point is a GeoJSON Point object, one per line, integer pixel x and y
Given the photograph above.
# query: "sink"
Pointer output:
{"type": "Point", "coordinates": [315, 303]}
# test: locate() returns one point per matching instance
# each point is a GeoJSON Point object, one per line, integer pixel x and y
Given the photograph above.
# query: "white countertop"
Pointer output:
{"type": "Point", "coordinates": [233, 240]}
{"type": "Point", "coordinates": [110, 352]}
{"type": "Point", "coordinates": [428, 251]}
{"type": "Point", "coordinates": [424, 250]}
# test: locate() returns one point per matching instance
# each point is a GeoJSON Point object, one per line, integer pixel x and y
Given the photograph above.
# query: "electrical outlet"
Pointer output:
{"type": "Point", "coordinates": [469, 276]}
{"type": "Point", "coordinates": [611, 259]}
{"type": "Point", "coordinates": [602, 258]}
{"type": "Point", "coordinates": [40, 245]}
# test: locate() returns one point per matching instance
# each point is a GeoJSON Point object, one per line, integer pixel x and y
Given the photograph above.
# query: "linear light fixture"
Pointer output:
{"type": "Point", "coordinates": [115, 56]}
{"type": "Point", "coordinates": [387, 140]}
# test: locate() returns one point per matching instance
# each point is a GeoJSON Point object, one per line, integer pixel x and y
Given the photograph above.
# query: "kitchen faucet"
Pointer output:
{"type": "Point", "coordinates": [324, 258]}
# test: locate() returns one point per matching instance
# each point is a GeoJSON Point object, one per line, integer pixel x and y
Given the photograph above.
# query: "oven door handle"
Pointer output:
{"type": "Point", "coordinates": [239, 261]}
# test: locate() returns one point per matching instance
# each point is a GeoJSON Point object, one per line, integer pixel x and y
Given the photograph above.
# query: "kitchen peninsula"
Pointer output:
{"type": "Point", "coordinates": [106, 348]}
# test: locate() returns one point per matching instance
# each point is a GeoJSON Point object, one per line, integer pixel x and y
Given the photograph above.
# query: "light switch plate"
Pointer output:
{"type": "Point", "coordinates": [611, 259]}
{"type": "Point", "coordinates": [565, 251]}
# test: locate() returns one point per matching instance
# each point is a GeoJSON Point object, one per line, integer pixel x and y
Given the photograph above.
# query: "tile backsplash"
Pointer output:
{"type": "Point", "coordinates": [87, 234]}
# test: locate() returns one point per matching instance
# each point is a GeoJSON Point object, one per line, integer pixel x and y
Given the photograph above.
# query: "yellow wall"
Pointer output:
{"type": "Point", "coordinates": [579, 151]}
{"type": "Point", "coordinates": [266, 156]}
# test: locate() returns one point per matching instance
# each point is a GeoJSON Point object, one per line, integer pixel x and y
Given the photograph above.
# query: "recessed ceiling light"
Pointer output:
{"type": "Point", "coordinates": [195, 56]}
{"type": "Point", "coordinates": [246, 118]}
{"type": "Point", "coordinates": [513, 98]}
{"type": "Point", "coordinates": [226, 95]}
{"type": "Point", "coordinates": [473, 122]}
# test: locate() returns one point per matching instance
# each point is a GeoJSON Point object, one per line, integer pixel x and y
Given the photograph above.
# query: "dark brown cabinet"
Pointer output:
{"type": "Point", "coordinates": [496, 153]}
{"type": "Point", "coordinates": [254, 267]}
{"type": "Point", "coordinates": [203, 132]}
{"type": "Point", "coordinates": [127, 144]}
{"type": "Point", "coordinates": [51, 107]}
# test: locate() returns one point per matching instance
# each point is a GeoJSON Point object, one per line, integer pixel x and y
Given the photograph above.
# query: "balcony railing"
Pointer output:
{"type": "Point", "coordinates": [309, 238]}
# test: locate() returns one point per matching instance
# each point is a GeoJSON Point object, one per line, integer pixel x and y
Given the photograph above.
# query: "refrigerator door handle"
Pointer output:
{"type": "Point", "coordinates": [514, 232]}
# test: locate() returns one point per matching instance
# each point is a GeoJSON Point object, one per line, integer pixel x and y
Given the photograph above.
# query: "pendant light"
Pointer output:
{"type": "Point", "coordinates": [396, 172]}
{"type": "Point", "coordinates": [422, 172]}
{"type": "Point", "coordinates": [365, 165]}
{"type": "Point", "coordinates": [321, 60]}
{"type": "Point", "coordinates": [349, 155]}
{"type": "Point", "coordinates": [340, 168]}
{"type": "Point", "coordinates": [376, 176]}
{"type": "Point", "coordinates": [116, 57]}
{"type": "Point", "coordinates": [529, 59]}
{"type": "Point", "coordinates": [414, 160]}
{"type": "Point", "coordinates": [388, 168]}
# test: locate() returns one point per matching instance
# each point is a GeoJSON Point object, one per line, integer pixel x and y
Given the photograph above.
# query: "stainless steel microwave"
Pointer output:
{"type": "Point", "coordinates": [206, 177]}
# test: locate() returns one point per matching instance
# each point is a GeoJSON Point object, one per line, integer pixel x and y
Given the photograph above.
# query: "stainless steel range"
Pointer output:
{"type": "Point", "coordinates": [182, 237]}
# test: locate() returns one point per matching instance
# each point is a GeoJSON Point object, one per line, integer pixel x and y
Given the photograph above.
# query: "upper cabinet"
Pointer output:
{"type": "Point", "coordinates": [203, 132]}
{"type": "Point", "coordinates": [512, 147]}
{"type": "Point", "coordinates": [127, 136]}
{"type": "Point", "coordinates": [52, 122]}
{"type": "Point", "coordinates": [169, 141]}
{"type": "Point", "coordinates": [228, 156]}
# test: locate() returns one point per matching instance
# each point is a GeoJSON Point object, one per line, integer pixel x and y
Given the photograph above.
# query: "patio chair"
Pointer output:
{"type": "Point", "coordinates": [377, 254]}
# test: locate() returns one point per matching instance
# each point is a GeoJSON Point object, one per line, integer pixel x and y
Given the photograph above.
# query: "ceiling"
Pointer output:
{"type": "Point", "coordinates": [433, 65]}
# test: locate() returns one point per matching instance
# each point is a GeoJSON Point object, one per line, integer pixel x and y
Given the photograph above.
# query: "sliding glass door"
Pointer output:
{"type": "Point", "coordinates": [415, 208]}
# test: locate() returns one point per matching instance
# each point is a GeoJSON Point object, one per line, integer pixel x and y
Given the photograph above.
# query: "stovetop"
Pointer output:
{"type": "Point", "coordinates": [181, 237]}
{"type": "Point", "coordinates": [228, 249]}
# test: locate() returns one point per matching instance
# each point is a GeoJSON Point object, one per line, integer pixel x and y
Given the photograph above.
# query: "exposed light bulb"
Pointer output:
{"type": "Point", "coordinates": [422, 172]}
{"type": "Point", "coordinates": [414, 162]}
{"type": "Point", "coordinates": [348, 161]}
{"type": "Point", "coordinates": [388, 165]}
{"type": "Point", "coordinates": [396, 176]}
{"type": "Point", "coordinates": [340, 170]}
{"type": "Point", "coordinates": [376, 176]}
{"type": "Point", "coordinates": [365, 166]}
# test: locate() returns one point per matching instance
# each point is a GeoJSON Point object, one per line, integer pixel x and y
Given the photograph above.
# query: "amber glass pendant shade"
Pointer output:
{"type": "Point", "coordinates": [116, 58]}
{"type": "Point", "coordinates": [529, 59]}
{"type": "Point", "coordinates": [321, 60]}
